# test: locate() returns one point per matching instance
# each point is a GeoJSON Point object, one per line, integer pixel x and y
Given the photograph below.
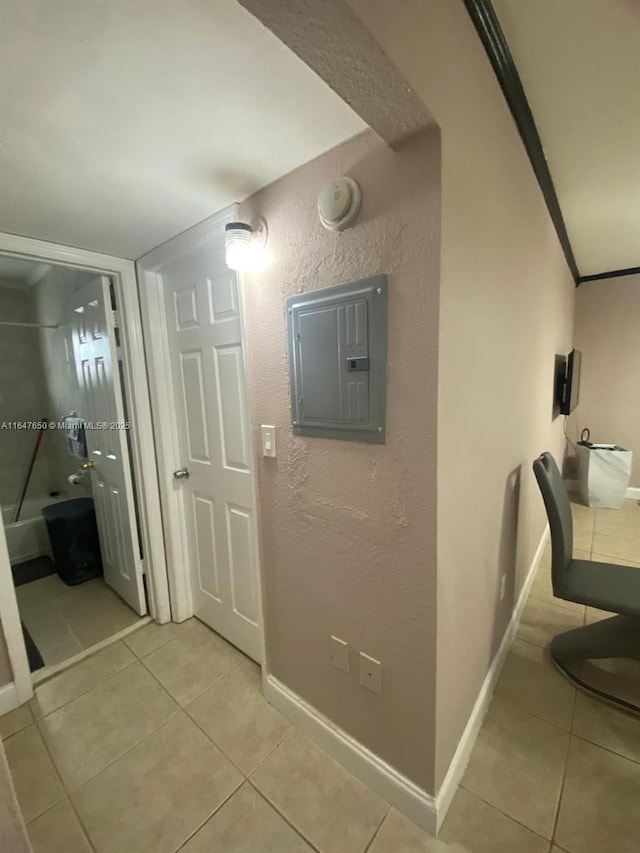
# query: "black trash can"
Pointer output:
{"type": "Point", "coordinates": [73, 535]}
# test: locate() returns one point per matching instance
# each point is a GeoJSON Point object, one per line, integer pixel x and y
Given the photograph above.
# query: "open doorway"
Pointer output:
{"type": "Point", "coordinates": [116, 278]}
{"type": "Point", "coordinates": [66, 484]}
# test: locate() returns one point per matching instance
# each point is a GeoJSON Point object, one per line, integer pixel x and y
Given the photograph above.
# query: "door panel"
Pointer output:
{"type": "Point", "coordinates": [202, 310]}
{"type": "Point", "coordinates": [243, 588]}
{"type": "Point", "coordinates": [231, 407]}
{"type": "Point", "coordinates": [195, 406]}
{"type": "Point", "coordinates": [205, 526]}
{"type": "Point", "coordinates": [96, 359]}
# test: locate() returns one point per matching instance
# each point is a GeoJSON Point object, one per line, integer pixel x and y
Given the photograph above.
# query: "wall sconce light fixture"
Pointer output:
{"type": "Point", "coordinates": [244, 245]}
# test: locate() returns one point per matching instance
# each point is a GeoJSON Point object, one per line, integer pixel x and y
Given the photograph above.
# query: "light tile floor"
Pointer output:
{"type": "Point", "coordinates": [65, 620]}
{"type": "Point", "coordinates": [163, 742]}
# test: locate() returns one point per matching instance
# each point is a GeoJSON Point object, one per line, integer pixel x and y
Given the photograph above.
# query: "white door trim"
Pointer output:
{"type": "Point", "coordinates": [123, 274]}
{"type": "Point", "coordinates": [10, 618]}
{"type": "Point", "coordinates": [163, 406]}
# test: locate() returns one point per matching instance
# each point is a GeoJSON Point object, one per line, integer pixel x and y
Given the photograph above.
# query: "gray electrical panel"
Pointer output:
{"type": "Point", "coordinates": [338, 360]}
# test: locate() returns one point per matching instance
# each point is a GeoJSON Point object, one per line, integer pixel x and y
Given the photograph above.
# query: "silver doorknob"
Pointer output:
{"type": "Point", "coordinates": [181, 474]}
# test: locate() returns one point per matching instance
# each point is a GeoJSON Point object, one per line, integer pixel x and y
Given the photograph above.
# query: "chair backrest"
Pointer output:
{"type": "Point", "coordinates": [558, 508]}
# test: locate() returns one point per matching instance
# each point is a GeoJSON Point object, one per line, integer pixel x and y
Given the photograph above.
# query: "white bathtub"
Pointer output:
{"type": "Point", "coordinates": [28, 538]}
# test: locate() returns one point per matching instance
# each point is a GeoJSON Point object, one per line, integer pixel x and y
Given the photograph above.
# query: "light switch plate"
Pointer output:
{"type": "Point", "coordinates": [370, 673]}
{"type": "Point", "coordinates": [268, 433]}
{"type": "Point", "coordinates": [340, 653]}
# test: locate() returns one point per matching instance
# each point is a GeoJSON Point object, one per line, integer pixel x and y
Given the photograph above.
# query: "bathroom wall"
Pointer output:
{"type": "Point", "coordinates": [22, 396]}
{"type": "Point", "coordinates": [348, 530]}
{"type": "Point", "coordinates": [50, 297]}
{"type": "Point", "coordinates": [607, 330]}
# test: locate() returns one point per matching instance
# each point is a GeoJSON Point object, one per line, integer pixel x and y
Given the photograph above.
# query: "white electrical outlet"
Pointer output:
{"type": "Point", "coordinates": [340, 653]}
{"type": "Point", "coordinates": [503, 586]}
{"type": "Point", "coordinates": [370, 673]}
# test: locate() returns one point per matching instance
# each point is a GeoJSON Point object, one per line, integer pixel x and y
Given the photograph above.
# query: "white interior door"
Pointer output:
{"type": "Point", "coordinates": [205, 347]}
{"type": "Point", "coordinates": [95, 353]}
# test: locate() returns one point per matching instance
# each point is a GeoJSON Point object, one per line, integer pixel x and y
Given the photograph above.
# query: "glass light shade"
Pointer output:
{"type": "Point", "coordinates": [238, 245]}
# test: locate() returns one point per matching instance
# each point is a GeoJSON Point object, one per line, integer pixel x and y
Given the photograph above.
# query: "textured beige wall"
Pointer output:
{"type": "Point", "coordinates": [607, 332]}
{"type": "Point", "coordinates": [22, 396]}
{"type": "Point", "coordinates": [348, 529]}
{"type": "Point", "coordinates": [506, 309]}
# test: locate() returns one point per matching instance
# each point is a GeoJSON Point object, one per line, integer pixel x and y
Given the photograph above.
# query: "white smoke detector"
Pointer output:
{"type": "Point", "coordinates": [339, 203]}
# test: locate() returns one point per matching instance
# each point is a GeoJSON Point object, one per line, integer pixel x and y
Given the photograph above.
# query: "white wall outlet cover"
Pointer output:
{"type": "Point", "coordinates": [340, 653]}
{"type": "Point", "coordinates": [339, 204]}
{"type": "Point", "coordinates": [370, 673]}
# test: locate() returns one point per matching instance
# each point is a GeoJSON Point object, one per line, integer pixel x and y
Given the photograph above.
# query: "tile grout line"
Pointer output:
{"type": "Point", "coordinates": [229, 759]}
{"type": "Point", "coordinates": [56, 771]}
{"type": "Point", "coordinates": [535, 716]}
{"type": "Point", "coordinates": [515, 703]}
{"type": "Point", "coordinates": [245, 778]}
{"type": "Point", "coordinates": [271, 805]}
{"type": "Point", "coordinates": [133, 746]}
{"type": "Point", "coordinates": [568, 607]}
{"type": "Point", "coordinates": [200, 695]}
{"type": "Point", "coordinates": [566, 758]}
{"type": "Point", "coordinates": [219, 748]}
{"type": "Point", "coordinates": [274, 806]}
{"type": "Point", "coordinates": [209, 816]}
{"type": "Point", "coordinates": [291, 729]}
{"type": "Point", "coordinates": [284, 817]}
{"type": "Point", "coordinates": [163, 643]}
{"type": "Point", "coordinates": [86, 654]}
{"type": "Point", "coordinates": [64, 788]}
{"type": "Point", "coordinates": [606, 748]}
{"type": "Point", "coordinates": [77, 817]}
{"type": "Point", "coordinates": [505, 814]}
{"type": "Point", "coordinates": [84, 692]}
{"type": "Point", "coordinates": [178, 710]}
{"type": "Point", "coordinates": [56, 600]}
{"type": "Point", "coordinates": [564, 771]}
{"type": "Point", "coordinates": [377, 832]}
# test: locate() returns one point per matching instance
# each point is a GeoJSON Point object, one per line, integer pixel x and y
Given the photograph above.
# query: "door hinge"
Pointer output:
{"type": "Point", "coordinates": [116, 319]}
{"type": "Point", "coordinates": [143, 568]}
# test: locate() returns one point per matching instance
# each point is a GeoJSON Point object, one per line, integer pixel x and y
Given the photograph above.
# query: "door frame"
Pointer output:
{"type": "Point", "coordinates": [136, 387]}
{"type": "Point", "coordinates": [154, 323]}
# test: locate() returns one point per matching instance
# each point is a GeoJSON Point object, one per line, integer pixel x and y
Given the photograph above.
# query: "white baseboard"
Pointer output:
{"type": "Point", "coordinates": [421, 807]}
{"type": "Point", "coordinates": [463, 752]}
{"type": "Point", "coordinates": [633, 493]}
{"type": "Point", "coordinates": [381, 777]}
{"type": "Point", "coordinates": [8, 698]}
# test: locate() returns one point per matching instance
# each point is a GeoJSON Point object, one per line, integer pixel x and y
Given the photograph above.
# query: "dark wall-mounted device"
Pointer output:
{"type": "Point", "coordinates": [568, 390]}
{"type": "Point", "coordinates": [338, 360]}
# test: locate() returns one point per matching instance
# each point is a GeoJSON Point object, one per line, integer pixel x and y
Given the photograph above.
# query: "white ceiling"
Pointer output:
{"type": "Point", "coordinates": [124, 122]}
{"type": "Point", "coordinates": [579, 61]}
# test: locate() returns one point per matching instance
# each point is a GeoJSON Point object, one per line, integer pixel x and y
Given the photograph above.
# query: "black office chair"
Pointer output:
{"type": "Point", "coordinates": [602, 585]}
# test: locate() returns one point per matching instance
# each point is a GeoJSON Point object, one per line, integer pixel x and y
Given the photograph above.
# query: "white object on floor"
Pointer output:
{"type": "Point", "coordinates": [603, 474]}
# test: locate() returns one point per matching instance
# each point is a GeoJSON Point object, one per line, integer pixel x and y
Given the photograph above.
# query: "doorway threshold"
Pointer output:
{"type": "Point", "coordinates": [48, 672]}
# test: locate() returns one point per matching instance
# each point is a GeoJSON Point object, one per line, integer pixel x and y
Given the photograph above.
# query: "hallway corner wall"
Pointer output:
{"type": "Point", "coordinates": [348, 530]}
